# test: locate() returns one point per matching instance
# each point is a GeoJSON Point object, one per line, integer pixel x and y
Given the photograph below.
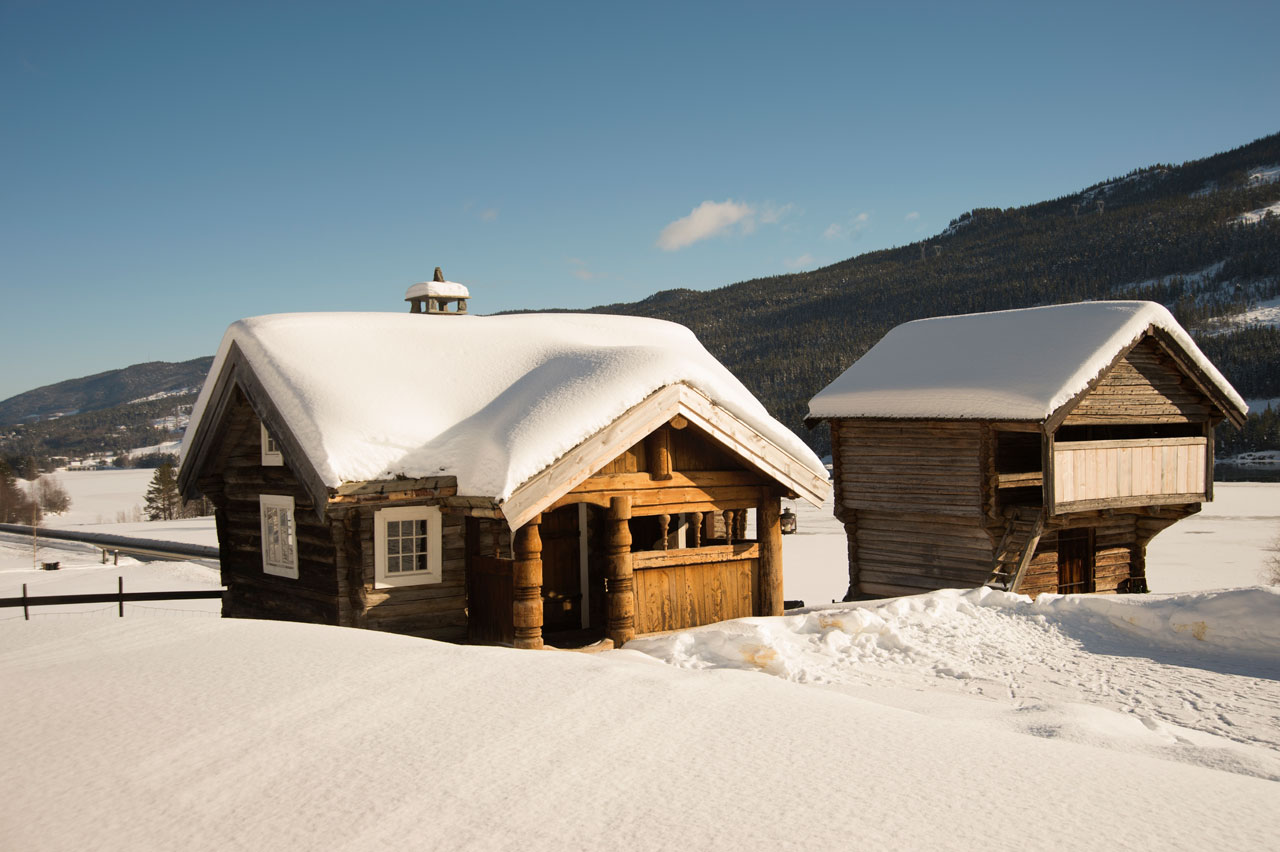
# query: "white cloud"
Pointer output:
{"type": "Point", "coordinates": [578, 269]}
{"type": "Point", "coordinates": [848, 230]}
{"type": "Point", "coordinates": [912, 216]}
{"type": "Point", "coordinates": [489, 214]}
{"type": "Point", "coordinates": [708, 219]}
{"type": "Point", "coordinates": [804, 261]}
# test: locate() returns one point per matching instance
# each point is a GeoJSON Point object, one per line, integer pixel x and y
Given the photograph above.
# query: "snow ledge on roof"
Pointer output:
{"type": "Point", "coordinates": [1005, 365]}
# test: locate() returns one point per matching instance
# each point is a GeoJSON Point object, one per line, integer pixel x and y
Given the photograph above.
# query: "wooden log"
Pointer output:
{"type": "Point", "coordinates": [659, 446]}
{"type": "Point", "coordinates": [769, 536]}
{"type": "Point", "coordinates": [527, 585]}
{"type": "Point", "coordinates": [619, 582]}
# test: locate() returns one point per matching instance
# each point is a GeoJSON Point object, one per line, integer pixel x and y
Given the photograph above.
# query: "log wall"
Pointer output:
{"type": "Point", "coordinates": [913, 494]}
{"type": "Point", "coordinates": [1115, 545]}
{"type": "Point", "coordinates": [233, 482]}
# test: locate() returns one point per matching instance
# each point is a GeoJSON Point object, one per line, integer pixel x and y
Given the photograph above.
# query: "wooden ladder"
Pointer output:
{"type": "Point", "coordinates": [1026, 525]}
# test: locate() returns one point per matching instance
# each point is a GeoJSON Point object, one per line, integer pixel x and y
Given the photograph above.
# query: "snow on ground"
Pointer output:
{"type": "Point", "coordinates": [1264, 174]}
{"type": "Point", "coordinates": [211, 734]}
{"type": "Point", "coordinates": [1255, 216]}
{"type": "Point", "coordinates": [164, 447]}
{"type": "Point", "coordinates": [111, 501]}
{"type": "Point", "coordinates": [1225, 545]}
{"type": "Point", "coordinates": [1266, 313]}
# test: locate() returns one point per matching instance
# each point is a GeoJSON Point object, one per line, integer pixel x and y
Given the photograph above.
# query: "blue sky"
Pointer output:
{"type": "Point", "coordinates": [170, 167]}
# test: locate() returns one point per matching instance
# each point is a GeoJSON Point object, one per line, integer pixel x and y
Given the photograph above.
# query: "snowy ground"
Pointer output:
{"type": "Point", "coordinates": [955, 720]}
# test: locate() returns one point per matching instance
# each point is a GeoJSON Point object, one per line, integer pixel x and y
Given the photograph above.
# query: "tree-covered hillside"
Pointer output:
{"type": "Point", "coordinates": [1168, 233]}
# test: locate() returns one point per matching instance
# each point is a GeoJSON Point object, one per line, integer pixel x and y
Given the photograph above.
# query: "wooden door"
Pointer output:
{"type": "Point", "coordinates": [1075, 561]}
{"type": "Point", "coordinates": [561, 570]}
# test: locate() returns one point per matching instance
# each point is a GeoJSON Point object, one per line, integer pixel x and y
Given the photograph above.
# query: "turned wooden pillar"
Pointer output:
{"type": "Point", "coordinates": [659, 445]}
{"type": "Point", "coordinates": [619, 584]}
{"type": "Point", "coordinates": [526, 573]}
{"type": "Point", "coordinates": [769, 535]}
{"type": "Point", "coordinates": [695, 530]}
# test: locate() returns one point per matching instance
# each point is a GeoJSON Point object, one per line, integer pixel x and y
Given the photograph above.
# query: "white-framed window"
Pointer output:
{"type": "Point", "coordinates": [270, 450]}
{"type": "Point", "coordinates": [407, 549]}
{"type": "Point", "coordinates": [279, 536]}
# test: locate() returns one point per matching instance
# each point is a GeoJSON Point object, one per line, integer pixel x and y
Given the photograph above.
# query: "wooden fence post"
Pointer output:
{"type": "Point", "coordinates": [120, 591]}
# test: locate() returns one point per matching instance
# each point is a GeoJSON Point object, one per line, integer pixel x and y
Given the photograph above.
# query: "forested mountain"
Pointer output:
{"type": "Point", "coordinates": [1167, 233]}
{"type": "Point", "coordinates": [105, 390]}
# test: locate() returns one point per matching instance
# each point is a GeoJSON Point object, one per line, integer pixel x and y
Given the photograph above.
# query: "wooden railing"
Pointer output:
{"type": "Point", "coordinates": [1107, 474]}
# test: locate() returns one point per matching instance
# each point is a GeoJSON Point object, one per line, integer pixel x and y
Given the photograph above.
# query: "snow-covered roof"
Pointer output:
{"type": "Point", "coordinates": [491, 401]}
{"type": "Point", "coordinates": [437, 290]}
{"type": "Point", "coordinates": [1006, 365]}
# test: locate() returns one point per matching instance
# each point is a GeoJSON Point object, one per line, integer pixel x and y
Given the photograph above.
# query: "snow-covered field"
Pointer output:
{"type": "Point", "coordinates": [958, 720]}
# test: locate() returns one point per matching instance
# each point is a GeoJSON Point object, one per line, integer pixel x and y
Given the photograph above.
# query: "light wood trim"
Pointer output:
{"type": "Point", "coordinates": [1019, 480]}
{"type": "Point", "coordinates": [1067, 446]}
{"type": "Point", "coordinates": [1129, 502]}
{"type": "Point", "coordinates": [580, 463]}
{"type": "Point", "coordinates": [646, 559]}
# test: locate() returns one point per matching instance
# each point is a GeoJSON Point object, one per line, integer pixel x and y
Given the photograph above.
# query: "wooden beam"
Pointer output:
{"type": "Point", "coordinates": [769, 535]}
{"type": "Point", "coordinates": [526, 575]}
{"type": "Point", "coordinates": [659, 447]}
{"type": "Point", "coordinates": [620, 595]}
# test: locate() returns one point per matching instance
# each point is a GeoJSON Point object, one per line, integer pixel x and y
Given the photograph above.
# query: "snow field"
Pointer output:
{"type": "Point", "coordinates": [226, 734]}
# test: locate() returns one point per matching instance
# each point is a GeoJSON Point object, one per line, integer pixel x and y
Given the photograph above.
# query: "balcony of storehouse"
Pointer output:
{"type": "Point", "coordinates": [1089, 475]}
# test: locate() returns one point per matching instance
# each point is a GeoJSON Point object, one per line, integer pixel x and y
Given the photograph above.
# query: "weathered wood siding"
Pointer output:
{"type": "Point", "coordinates": [233, 482]}
{"type": "Point", "coordinates": [1144, 387]}
{"type": "Point", "coordinates": [913, 495]}
{"type": "Point", "coordinates": [683, 588]}
{"type": "Point", "coordinates": [1115, 545]}
{"type": "Point", "coordinates": [1129, 471]}
{"type": "Point", "coordinates": [434, 610]}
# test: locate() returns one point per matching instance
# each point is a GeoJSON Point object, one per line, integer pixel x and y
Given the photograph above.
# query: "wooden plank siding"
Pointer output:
{"type": "Point", "coordinates": [912, 494]}
{"type": "Point", "coordinates": [681, 588]}
{"type": "Point", "coordinates": [1143, 387]}
{"type": "Point", "coordinates": [1091, 474]}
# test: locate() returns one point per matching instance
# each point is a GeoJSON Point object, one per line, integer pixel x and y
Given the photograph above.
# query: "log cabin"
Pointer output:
{"type": "Point", "coordinates": [1034, 450]}
{"type": "Point", "coordinates": [505, 480]}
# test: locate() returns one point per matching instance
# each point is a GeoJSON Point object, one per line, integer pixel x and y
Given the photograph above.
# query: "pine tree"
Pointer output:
{"type": "Point", "coordinates": [163, 500]}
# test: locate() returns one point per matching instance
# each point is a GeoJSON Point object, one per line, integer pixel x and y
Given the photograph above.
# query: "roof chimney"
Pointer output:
{"type": "Point", "coordinates": [433, 297]}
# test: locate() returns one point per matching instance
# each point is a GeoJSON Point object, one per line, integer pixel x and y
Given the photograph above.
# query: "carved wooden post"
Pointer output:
{"type": "Point", "coordinates": [664, 530]}
{"type": "Point", "coordinates": [659, 444]}
{"type": "Point", "coordinates": [527, 585]}
{"type": "Point", "coordinates": [620, 585]}
{"type": "Point", "coordinates": [769, 535]}
{"type": "Point", "coordinates": [740, 524]}
{"type": "Point", "coordinates": [695, 530]}
{"type": "Point", "coordinates": [727, 515]}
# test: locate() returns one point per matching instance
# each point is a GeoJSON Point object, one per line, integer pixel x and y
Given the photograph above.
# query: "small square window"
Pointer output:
{"type": "Point", "coordinates": [407, 546]}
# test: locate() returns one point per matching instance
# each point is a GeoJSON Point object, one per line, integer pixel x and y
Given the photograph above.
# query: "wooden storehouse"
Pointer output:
{"type": "Point", "coordinates": [1033, 450]}
{"type": "Point", "coordinates": [490, 479]}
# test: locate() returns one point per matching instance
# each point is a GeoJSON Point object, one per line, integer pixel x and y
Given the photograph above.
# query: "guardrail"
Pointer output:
{"type": "Point", "coordinates": [121, 544]}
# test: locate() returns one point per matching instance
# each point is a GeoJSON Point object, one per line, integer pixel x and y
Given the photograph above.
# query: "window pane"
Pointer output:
{"type": "Point", "coordinates": [393, 564]}
{"type": "Point", "coordinates": [393, 529]}
{"type": "Point", "coordinates": [422, 528]}
{"type": "Point", "coordinates": [393, 546]}
{"type": "Point", "coordinates": [422, 561]}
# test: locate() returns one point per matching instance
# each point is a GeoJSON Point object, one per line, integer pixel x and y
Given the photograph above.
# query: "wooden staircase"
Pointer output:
{"type": "Point", "coordinates": [1013, 555]}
